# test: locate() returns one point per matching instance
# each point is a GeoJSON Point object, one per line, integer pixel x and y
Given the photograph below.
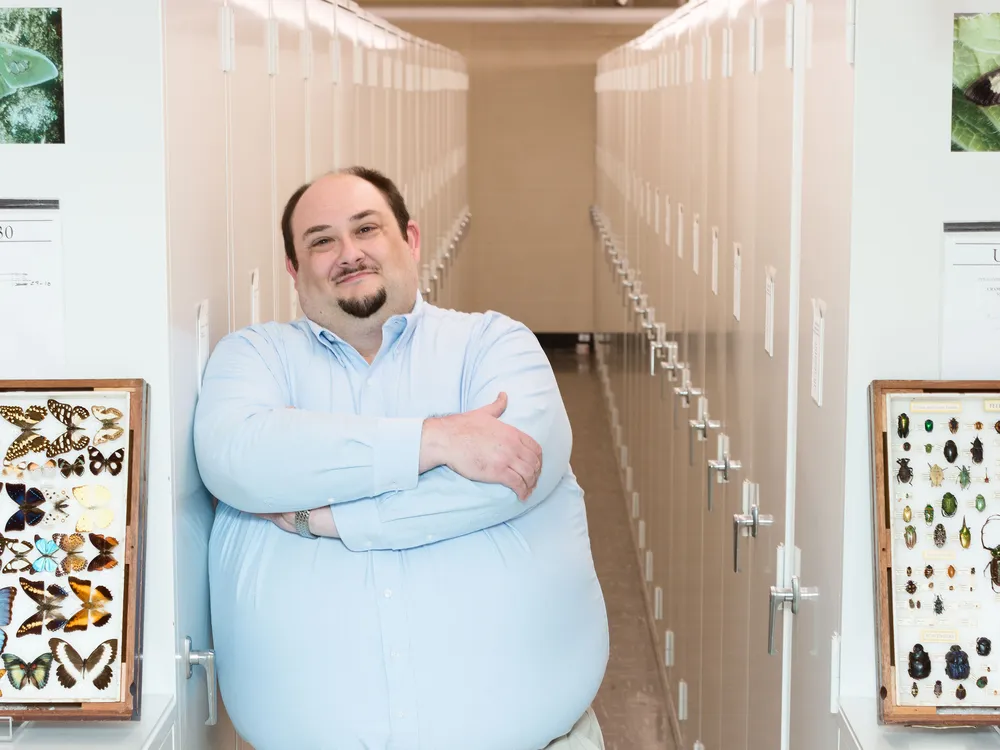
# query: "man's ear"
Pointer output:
{"type": "Point", "coordinates": [413, 240]}
{"type": "Point", "coordinates": [291, 269]}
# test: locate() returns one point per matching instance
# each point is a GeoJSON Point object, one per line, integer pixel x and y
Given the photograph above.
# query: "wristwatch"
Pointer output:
{"type": "Point", "coordinates": [302, 524]}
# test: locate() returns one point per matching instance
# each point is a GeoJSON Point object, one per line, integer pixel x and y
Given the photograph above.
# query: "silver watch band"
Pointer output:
{"type": "Point", "coordinates": [302, 524]}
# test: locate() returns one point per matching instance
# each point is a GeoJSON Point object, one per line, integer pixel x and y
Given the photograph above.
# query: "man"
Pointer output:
{"type": "Point", "coordinates": [400, 557]}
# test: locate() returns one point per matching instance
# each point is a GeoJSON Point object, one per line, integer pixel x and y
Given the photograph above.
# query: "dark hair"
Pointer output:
{"type": "Point", "coordinates": [385, 186]}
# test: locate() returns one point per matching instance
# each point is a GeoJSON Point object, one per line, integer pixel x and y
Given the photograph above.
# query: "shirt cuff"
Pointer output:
{"type": "Point", "coordinates": [397, 455]}
{"type": "Point", "coordinates": [357, 523]}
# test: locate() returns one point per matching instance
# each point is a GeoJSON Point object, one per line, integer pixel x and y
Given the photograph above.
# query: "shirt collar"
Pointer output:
{"type": "Point", "coordinates": [392, 331]}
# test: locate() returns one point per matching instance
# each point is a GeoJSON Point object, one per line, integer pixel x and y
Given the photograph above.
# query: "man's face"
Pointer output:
{"type": "Point", "coordinates": [355, 267]}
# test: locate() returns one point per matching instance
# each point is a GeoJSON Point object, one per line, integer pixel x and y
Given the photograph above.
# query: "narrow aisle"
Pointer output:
{"type": "Point", "coordinates": [631, 704]}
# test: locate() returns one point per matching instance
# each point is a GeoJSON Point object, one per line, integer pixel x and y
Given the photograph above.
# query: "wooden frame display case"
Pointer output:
{"type": "Point", "coordinates": [937, 550]}
{"type": "Point", "coordinates": [73, 476]}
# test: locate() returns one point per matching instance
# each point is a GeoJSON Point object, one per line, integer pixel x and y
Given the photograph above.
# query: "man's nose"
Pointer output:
{"type": "Point", "coordinates": [350, 254]}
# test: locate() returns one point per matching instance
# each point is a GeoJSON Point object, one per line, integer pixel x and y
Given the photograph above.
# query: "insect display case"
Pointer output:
{"type": "Point", "coordinates": [935, 445]}
{"type": "Point", "coordinates": [73, 487]}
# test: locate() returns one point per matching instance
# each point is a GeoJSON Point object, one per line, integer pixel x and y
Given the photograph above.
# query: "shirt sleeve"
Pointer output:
{"type": "Point", "coordinates": [444, 504]}
{"type": "Point", "coordinates": [258, 455]}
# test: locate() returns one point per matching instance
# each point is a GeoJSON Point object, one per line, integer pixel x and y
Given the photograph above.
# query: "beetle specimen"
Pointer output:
{"type": "Point", "coordinates": [914, 691]}
{"type": "Point", "coordinates": [905, 473]}
{"type": "Point", "coordinates": [929, 514]}
{"type": "Point", "coordinates": [993, 567]}
{"type": "Point", "coordinates": [937, 688]}
{"type": "Point", "coordinates": [964, 478]}
{"type": "Point", "coordinates": [910, 537]}
{"type": "Point", "coordinates": [980, 503]}
{"type": "Point", "coordinates": [964, 535]}
{"type": "Point", "coordinates": [907, 514]}
{"type": "Point", "coordinates": [938, 605]}
{"type": "Point", "coordinates": [953, 425]}
{"type": "Point", "coordinates": [940, 535]}
{"type": "Point", "coordinates": [980, 683]}
{"type": "Point", "coordinates": [928, 424]}
{"type": "Point", "coordinates": [928, 571]}
{"type": "Point", "coordinates": [903, 425]}
{"type": "Point", "coordinates": [928, 447]}
{"type": "Point", "coordinates": [956, 663]}
{"type": "Point", "coordinates": [985, 90]}
{"type": "Point", "coordinates": [919, 663]}
{"type": "Point", "coordinates": [937, 475]}
{"type": "Point", "coordinates": [977, 451]}
{"type": "Point", "coordinates": [950, 451]}
{"type": "Point", "coordinates": [909, 571]}
{"type": "Point", "coordinates": [912, 605]}
{"type": "Point", "coordinates": [960, 692]}
{"type": "Point", "coordinates": [951, 571]}
{"type": "Point", "coordinates": [911, 587]}
{"type": "Point", "coordinates": [978, 425]}
{"type": "Point", "coordinates": [984, 646]}
{"type": "Point", "coordinates": [997, 426]}
{"type": "Point", "coordinates": [949, 505]}
{"type": "Point", "coordinates": [906, 446]}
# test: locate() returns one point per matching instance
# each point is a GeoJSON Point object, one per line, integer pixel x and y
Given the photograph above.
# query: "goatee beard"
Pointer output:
{"type": "Point", "coordinates": [364, 307]}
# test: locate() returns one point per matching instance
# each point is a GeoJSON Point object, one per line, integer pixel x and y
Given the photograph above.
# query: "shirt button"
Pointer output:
{"type": "Point", "coordinates": [387, 593]}
{"type": "Point", "coordinates": [395, 654]}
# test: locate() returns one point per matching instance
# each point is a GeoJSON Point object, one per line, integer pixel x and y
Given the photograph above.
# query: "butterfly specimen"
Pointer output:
{"type": "Point", "coordinates": [93, 497]}
{"type": "Point", "coordinates": [106, 546]}
{"type": "Point", "coordinates": [20, 547]}
{"type": "Point", "coordinates": [28, 499]}
{"type": "Point", "coordinates": [109, 430]}
{"type": "Point", "coordinates": [6, 604]}
{"type": "Point", "coordinates": [20, 674]}
{"type": "Point", "coordinates": [94, 599]}
{"type": "Point", "coordinates": [28, 441]}
{"type": "Point", "coordinates": [985, 90]}
{"type": "Point", "coordinates": [113, 463]}
{"type": "Point", "coordinates": [72, 417]}
{"type": "Point", "coordinates": [49, 602]}
{"type": "Point", "coordinates": [74, 561]}
{"type": "Point", "coordinates": [73, 668]}
{"type": "Point", "coordinates": [77, 467]}
{"type": "Point", "coordinates": [58, 502]}
{"type": "Point", "coordinates": [45, 563]}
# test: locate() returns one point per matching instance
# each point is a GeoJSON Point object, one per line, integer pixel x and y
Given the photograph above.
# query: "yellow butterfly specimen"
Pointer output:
{"type": "Point", "coordinates": [110, 429]}
{"type": "Point", "coordinates": [71, 417]}
{"type": "Point", "coordinates": [93, 497]}
{"type": "Point", "coordinates": [29, 441]}
{"type": "Point", "coordinates": [93, 601]}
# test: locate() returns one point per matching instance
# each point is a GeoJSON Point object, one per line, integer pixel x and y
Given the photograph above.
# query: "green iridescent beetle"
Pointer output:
{"type": "Point", "coordinates": [980, 503]}
{"type": "Point", "coordinates": [949, 505]}
{"type": "Point", "coordinates": [929, 514]}
{"type": "Point", "coordinates": [964, 478]}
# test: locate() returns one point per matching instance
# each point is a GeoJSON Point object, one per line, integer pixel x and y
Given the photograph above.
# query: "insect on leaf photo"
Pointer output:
{"type": "Point", "coordinates": [975, 94]}
{"type": "Point", "coordinates": [31, 76]}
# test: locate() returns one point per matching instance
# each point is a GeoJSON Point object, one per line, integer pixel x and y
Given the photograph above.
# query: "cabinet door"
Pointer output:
{"type": "Point", "coordinates": [775, 282]}
{"type": "Point", "coordinates": [822, 363]}
{"type": "Point", "coordinates": [252, 279]}
{"type": "Point", "coordinates": [717, 525]}
{"type": "Point", "coordinates": [320, 56]}
{"type": "Point", "coordinates": [736, 265]}
{"type": "Point", "coordinates": [290, 171]}
{"type": "Point", "coordinates": [197, 229]}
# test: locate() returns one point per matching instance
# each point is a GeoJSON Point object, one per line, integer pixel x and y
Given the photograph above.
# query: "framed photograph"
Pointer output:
{"type": "Point", "coordinates": [975, 84]}
{"type": "Point", "coordinates": [936, 495]}
{"type": "Point", "coordinates": [31, 76]}
{"type": "Point", "coordinates": [73, 456]}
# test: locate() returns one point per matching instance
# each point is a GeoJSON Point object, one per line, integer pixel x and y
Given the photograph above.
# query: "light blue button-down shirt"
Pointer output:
{"type": "Point", "coordinates": [451, 615]}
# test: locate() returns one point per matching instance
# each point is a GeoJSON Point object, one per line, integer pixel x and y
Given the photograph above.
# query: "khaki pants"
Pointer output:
{"type": "Point", "coordinates": [585, 735]}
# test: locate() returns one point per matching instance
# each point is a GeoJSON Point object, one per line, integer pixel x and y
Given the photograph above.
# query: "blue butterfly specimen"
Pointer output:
{"type": "Point", "coordinates": [28, 498]}
{"type": "Point", "coordinates": [20, 674]}
{"type": "Point", "coordinates": [6, 605]}
{"type": "Point", "coordinates": [46, 563]}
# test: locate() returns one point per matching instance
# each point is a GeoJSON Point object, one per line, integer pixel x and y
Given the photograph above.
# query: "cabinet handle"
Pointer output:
{"type": "Point", "coordinates": [753, 521]}
{"type": "Point", "coordinates": [780, 597]}
{"type": "Point", "coordinates": [723, 467]}
{"type": "Point", "coordinates": [205, 659]}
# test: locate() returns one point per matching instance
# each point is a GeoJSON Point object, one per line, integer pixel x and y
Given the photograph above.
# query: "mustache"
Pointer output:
{"type": "Point", "coordinates": [356, 269]}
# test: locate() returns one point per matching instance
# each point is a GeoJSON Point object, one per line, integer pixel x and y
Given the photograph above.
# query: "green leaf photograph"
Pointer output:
{"type": "Point", "coordinates": [975, 81]}
{"type": "Point", "coordinates": [31, 76]}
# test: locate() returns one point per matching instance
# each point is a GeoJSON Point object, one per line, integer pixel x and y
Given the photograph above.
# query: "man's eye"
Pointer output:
{"type": "Point", "coordinates": [320, 241]}
{"type": "Point", "coordinates": [367, 229]}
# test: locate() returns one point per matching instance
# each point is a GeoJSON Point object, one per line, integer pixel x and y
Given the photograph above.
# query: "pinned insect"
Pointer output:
{"type": "Point", "coordinates": [928, 424]}
{"type": "Point", "coordinates": [950, 451]}
{"type": "Point", "coordinates": [996, 426]}
{"type": "Point", "coordinates": [937, 689]}
{"type": "Point", "coordinates": [951, 571]}
{"type": "Point", "coordinates": [949, 505]}
{"type": "Point", "coordinates": [985, 90]}
{"type": "Point", "coordinates": [905, 473]}
{"type": "Point", "coordinates": [964, 478]}
{"type": "Point", "coordinates": [903, 425]}
{"type": "Point", "coordinates": [918, 663]}
{"type": "Point", "coordinates": [929, 514]}
{"type": "Point", "coordinates": [956, 663]}
{"type": "Point", "coordinates": [980, 683]}
{"type": "Point", "coordinates": [907, 514]}
{"type": "Point", "coordinates": [977, 451]}
{"type": "Point", "coordinates": [928, 447]}
{"type": "Point", "coordinates": [937, 475]}
{"type": "Point", "coordinates": [993, 567]}
{"type": "Point", "coordinates": [911, 587]}
{"type": "Point", "coordinates": [929, 570]}
{"type": "Point", "coordinates": [914, 691]}
{"type": "Point", "coordinates": [984, 646]}
{"type": "Point", "coordinates": [938, 605]}
{"type": "Point", "coordinates": [940, 535]}
{"type": "Point", "coordinates": [980, 503]}
{"type": "Point", "coordinates": [910, 537]}
{"type": "Point", "coordinates": [960, 692]}
{"type": "Point", "coordinates": [964, 535]}
{"type": "Point", "coordinates": [978, 425]}
{"type": "Point", "coordinates": [953, 425]}
{"type": "Point", "coordinates": [906, 446]}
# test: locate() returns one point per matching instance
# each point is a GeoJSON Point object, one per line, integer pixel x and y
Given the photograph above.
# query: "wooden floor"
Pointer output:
{"type": "Point", "coordinates": [631, 705]}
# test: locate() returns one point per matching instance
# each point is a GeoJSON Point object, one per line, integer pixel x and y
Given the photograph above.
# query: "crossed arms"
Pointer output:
{"type": "Point", "coordinates": [390, 483]}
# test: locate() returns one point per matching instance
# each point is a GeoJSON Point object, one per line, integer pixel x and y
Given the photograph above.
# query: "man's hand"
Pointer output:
{"type": "Point", "coordinates": [477, 445]}
{"type": "Point", "coordinates": [321, 522]}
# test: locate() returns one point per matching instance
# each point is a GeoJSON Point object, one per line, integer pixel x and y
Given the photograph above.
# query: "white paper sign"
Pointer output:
{"type": "Point", "coordinates": [769, 311]}
{"type": "Point", "coordinates": [715, 260]}
{"type": "Point", "coordinates": [31, 284]}
{"type": "Point", "coordinates": [818, 336]}
{"type": "Point", "coordinates": [737, 273]}
{"type": "Point", "coordinates": [971, 305]}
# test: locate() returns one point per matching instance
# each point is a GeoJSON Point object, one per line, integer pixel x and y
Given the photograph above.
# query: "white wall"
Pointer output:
{"type": "Point", "coordinates": [907, 184]}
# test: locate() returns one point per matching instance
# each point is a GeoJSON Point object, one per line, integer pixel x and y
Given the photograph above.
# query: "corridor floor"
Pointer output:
{"type": "Point", "coordinates": [631, 705]}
